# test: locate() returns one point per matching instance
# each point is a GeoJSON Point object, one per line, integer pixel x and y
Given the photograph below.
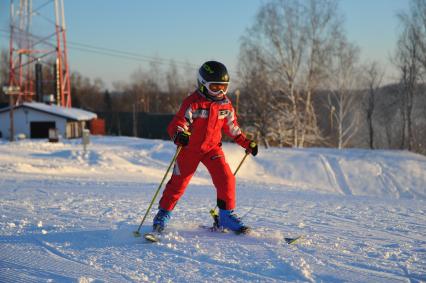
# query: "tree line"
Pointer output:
{"type": "Point", "coordinates": [301, 83]}
{"type": "Point", "coordinates": [298, 65]}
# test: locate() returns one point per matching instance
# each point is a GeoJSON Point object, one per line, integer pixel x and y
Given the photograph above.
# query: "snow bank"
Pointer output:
{"type": "Point", "coordinates": [389, 174]}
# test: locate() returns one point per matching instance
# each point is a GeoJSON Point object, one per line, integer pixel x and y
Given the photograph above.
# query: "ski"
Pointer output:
{"type": "Point", "coordinates": [215, 228]}
{"type": "Point", "coordinates": [152, 237]}
{"type": "Point", "coordinates": [288, 240]}
{"type": "Point", "coordinates": [211, 228]}
{"type": "Point", "coordinates": [291, 241]}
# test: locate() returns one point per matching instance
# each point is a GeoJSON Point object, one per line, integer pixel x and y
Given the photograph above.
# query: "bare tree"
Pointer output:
{"type": "Point", "coordinates": [87, 93]}
{"type": "Point", "coordinates": [293, 41]}
{"type": "Point", "coordinates": [417, 17]}
{"type": "Point", "coordinates": [323, 34]}
{"type": "Point", "coordinates": [177, 88]}
{"type": "Point", "coordinates": [342, 98]}
{"type": "Point", "coordinates": [415, 20]}
{"type": "Point", "coordinates": [257, 115]}
{"type": "Point", "coordinates": [373, 76]}
{"type": "Point", "coordinates": [278, 39]}
{"type": "Point", "coordinates": [410, 59]}
{"type": "Point", "coordinates": [406, 60]}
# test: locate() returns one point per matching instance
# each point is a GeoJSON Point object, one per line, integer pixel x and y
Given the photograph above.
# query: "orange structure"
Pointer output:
{"type": "Point", "coordinates": [37, 36]}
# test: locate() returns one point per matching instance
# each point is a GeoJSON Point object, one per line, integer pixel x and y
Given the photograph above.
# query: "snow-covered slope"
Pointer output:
{"type": "Point", "coordinates": [68, 216]}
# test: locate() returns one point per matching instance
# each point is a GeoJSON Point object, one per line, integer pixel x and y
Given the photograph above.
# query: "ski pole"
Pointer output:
{"type": "Point", "coordinates": [137, 232]}
{"type": "Point", "coordinates": [213, 211]}
{"type": "Point", "coordinates": [241, 163]}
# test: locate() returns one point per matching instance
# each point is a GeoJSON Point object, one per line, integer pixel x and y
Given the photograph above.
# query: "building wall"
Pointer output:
{"type": "Point", "coordinates": [22, 118]}
{"type": "Point", "coordinates": [74, 129]}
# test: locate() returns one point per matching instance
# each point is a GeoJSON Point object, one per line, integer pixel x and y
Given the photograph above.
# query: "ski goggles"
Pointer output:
{"type": "Point", "coordinates": [217, 88]}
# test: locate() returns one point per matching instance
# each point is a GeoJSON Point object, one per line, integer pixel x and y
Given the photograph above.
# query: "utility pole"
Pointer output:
{"type": "Point", "coordinates": [332, 110]}
{"type": "Point", "coordinates": [12, 124]}
{"type": "Point", "coordinates": [136, 114]}
{"type": "Point", "coordinates": [11, 91]}
{"type": "Point", "coordinates": [135, 126]}
{"type": "Point", "coordinates": [237, 94]}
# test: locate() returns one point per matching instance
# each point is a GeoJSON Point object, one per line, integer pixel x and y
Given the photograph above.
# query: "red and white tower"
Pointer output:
{"type": "Point", "coordinates": [37, 37]}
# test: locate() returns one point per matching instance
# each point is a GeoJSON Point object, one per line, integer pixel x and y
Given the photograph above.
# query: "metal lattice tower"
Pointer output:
{"type": "Point", "coordinates": [37, 35]}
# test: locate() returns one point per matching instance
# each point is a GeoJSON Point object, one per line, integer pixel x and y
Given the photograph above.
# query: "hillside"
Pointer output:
{"type": "Point", "coordinates": [68, 216]}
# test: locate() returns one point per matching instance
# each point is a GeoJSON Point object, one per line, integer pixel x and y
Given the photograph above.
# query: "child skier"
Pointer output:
{"type": "Point", "coordinates": [197, 127]}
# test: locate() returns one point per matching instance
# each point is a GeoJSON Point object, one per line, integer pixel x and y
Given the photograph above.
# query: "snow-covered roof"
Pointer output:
{"type": "Point", "coordinates": [69, 113]}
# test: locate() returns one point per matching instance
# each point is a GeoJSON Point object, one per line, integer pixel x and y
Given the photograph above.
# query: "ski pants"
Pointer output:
{"type": "Point", "coordinates": [185, 167]}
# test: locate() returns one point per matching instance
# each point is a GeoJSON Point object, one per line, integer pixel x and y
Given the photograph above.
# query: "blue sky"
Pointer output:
{"type": "Point", "coordinates": [194, 31]}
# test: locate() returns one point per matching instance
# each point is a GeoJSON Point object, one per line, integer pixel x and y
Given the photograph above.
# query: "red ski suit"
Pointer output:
{"type": "Point", "coordinates": [205, 119]}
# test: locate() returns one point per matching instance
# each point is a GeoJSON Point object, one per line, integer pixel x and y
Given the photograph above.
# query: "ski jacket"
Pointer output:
{"type": "Point", "coordinates": [205, 119]}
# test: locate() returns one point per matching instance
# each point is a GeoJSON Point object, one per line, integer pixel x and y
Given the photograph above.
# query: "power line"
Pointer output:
{"type": "Point", "coordinates": [118, 53]}
{"type": "Point", "coordinates": [132, 54]}
{"type": "Point", "coordinates": [128, 57]}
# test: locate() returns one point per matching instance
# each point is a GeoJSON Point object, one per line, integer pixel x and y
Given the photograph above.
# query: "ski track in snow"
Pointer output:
{"type": "Point", "coordinates": [331, 166]}
{"type": "Point", "coordinates": [75, 222]}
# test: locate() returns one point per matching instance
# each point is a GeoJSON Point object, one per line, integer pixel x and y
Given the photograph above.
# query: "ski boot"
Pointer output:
{"type": "Point", "coordinates": [229, 220]}
{"type": "Point", "coordinates": [161, 219]}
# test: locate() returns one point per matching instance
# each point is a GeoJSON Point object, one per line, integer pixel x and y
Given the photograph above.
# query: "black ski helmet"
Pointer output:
{"type": "Point", "coordinates": [211, 72]}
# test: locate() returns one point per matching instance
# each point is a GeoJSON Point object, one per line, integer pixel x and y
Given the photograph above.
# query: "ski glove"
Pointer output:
{"type": "Point", "coordinates": [181, 138]}
{"type": "Point", "coordinates": [252, 148]}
